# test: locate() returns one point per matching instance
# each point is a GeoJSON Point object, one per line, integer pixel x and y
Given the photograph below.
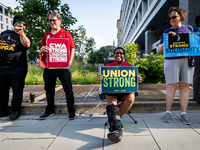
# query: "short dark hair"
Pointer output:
{"type": "Point", "coordinates": [20, 18]}
{"type": "Point", "coordinates": [197, 19]}
{"type": "Point", "coordinates": [180, 11]}
{"type": "Point", "coordinates": [119, 48]}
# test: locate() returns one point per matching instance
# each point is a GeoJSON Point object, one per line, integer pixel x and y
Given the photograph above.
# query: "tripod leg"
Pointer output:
{"type": "Point", "coordinates": [128, 112]}
{"type": "Point", "coordinates": [95, 108]}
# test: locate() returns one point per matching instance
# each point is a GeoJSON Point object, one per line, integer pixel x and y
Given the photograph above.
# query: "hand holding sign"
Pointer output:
{"type": "Point", "coordinates": [44, 49]}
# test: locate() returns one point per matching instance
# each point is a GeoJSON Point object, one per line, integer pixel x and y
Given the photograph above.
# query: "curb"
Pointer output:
{"type": "Point", "coordinates": [88, 107]}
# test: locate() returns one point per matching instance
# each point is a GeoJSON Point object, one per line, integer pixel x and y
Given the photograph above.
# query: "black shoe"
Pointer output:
{"type": "Point", "coordinates": [71, 116]}
{"type": "Point", "coordinates": [197, 99]}
{"type": "Point", "coordinates": [46, 115]}
{"type": "Point", "coordinates": [115, 136]}
{"type": "Point", "coordinates": [3, 114]}
{"type": "Point", "coordinates": [15, 115]}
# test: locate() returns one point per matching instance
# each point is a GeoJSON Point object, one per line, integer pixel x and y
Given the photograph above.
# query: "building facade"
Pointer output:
{"type": "Point", "coordinates": [143, 21]}
{"type": "Point", "coordinates": [6, 19]}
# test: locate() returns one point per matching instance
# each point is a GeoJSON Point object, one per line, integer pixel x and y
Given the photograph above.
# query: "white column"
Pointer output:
{"type": "Point", "coordinates": [150, 38]}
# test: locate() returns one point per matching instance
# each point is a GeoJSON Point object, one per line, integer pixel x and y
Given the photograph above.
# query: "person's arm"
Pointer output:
{"type": "Point", "coordinates": [44, 48]}
{"type": "Point", "coordinates": [161, 48]}
{"type": "Point", "coordinates": [100, 78]}
{"type": "Point", "coordinates": [139, 78]}
{"type": "Point", "coordinates": [23, 38]}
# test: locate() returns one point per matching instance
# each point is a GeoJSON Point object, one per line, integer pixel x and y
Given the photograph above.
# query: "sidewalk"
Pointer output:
{"type": "Point", "coordinates": [85, 133]}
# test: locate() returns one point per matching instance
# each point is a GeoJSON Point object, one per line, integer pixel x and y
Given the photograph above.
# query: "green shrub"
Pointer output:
{"type": "Point", "coordinates": [80, 74]}
{"type": "Point", "coordinates": [85, 77]}
{"type": "Point", "coordinates": [150, 67]}
{"type": "Point", "coordinates": [34, 75]}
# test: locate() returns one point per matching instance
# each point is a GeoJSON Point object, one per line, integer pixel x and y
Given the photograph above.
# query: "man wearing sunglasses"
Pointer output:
{"type": "Point", "coordinates": [64, 75]}
{"type": "Point", "coordinates": [13, 66]}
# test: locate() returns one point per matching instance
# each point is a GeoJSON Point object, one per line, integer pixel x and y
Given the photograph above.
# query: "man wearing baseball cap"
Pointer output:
{"type": "Point", "coordinates": [13, 66]}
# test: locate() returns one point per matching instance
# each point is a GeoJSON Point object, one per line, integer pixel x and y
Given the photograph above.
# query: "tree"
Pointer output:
{"type": "Point", "coordinates": [83, 44]}
{"type": "Point", "coordinates": [103, 52]}
{"type": "Point", "coordinates": [107, 49]}
{"type": "Point", "coordinates": [35, 11]}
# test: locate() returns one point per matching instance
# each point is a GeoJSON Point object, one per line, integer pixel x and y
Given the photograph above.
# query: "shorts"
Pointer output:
{"type": "Point", "coordinates": [177, 70]}
{"type": "Point", "coordinates": [119, 95]}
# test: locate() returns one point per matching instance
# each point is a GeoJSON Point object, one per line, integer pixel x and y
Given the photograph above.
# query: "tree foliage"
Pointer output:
{"type": "Point", "coordinates": [107, 49]}
{"type": "Point", "coordinates": [103, 52]}
{"type": "Point", "coordinates": [150, 67]}
{"type": "Point", "coordinates": [83, 44]}
{"type": "Point", "coordinates": [35, 11]}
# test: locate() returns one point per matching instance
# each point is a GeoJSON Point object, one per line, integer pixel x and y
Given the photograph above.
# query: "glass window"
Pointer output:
{"type": "Point", "coordinates": [6, 27]}
{"type": "Point", "coordinates": [6, 13]}
{"type": "Point", "coordinates": [6, 20]}
{"type": "Point", "coordinates": [1, 18]}
{"type": "Point", "coordinates": [1, 10]}
{"type": "Point", "coordinates": [1, 26]}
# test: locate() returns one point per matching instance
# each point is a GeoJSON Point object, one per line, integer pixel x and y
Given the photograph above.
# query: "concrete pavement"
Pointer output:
{"type": "Point", "coordinates": [85, 133]}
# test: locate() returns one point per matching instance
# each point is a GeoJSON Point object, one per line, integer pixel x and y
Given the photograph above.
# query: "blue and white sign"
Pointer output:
{"type": "Point", "coordinates": [185, 44]}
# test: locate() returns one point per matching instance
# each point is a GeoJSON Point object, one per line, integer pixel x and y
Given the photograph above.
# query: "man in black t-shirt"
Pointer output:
{"type": "Point", "coordinates": [13, 66]}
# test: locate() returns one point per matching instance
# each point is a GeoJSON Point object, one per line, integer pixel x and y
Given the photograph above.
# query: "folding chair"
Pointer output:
{"type": "Point", "coordinates": [102, 95]}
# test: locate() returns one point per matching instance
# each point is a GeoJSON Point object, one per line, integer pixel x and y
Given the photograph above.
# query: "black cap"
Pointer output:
{"type": "Point", "coordinates": [20, 18]}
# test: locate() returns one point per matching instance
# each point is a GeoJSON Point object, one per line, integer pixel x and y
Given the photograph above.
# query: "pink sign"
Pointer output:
{"type": "Point", "coordinates": [58, 54]}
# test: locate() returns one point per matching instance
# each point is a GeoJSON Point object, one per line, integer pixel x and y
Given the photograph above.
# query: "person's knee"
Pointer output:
{"type": "Point", "coordinates": [111, 100]}
{"type": "Point", "coordinates": [171, 87]}
{"type": "Point", "coordinates": [184, 87]}
{"type": "Point", "coordinates": [130, 99]}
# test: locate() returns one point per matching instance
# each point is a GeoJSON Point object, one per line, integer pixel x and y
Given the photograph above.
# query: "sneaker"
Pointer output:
{"type": "Point", "coordinates": [15, 115]}
{"type": "Point", "coordinates": [167, 118]}
{"type": "Point", "coordinates": [71, 116]}
{"type": "Point", "coordinates": [46, 115]}
{"type": "Point", "coordinates": [185, 119]}
{"type": "Point", "coordinates": [115, 136]}
{"type": "Point", "coordinates": [197, 99]}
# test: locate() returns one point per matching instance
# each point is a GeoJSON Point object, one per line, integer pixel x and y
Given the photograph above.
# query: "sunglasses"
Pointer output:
{"type": "Point", "coordinates": [54, 20]}
{"type": "Point", "coordinates": [119, 53]}
{"type": "Point", "coordinates": [21, 22]}
{"type": "Point", "coordinates": [173, 17]}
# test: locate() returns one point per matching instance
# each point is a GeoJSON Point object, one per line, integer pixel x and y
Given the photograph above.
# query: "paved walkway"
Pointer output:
{"type": "Point", "coordinates": [151, 99]}
{"type": "Point", "coordinates": [89, 93]}
{"type": "Point", "coordinates": [85, 133]}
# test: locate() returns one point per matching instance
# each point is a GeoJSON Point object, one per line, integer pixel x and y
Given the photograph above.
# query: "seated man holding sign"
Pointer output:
{"type": "Point", "coordinates": [127, 98]}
